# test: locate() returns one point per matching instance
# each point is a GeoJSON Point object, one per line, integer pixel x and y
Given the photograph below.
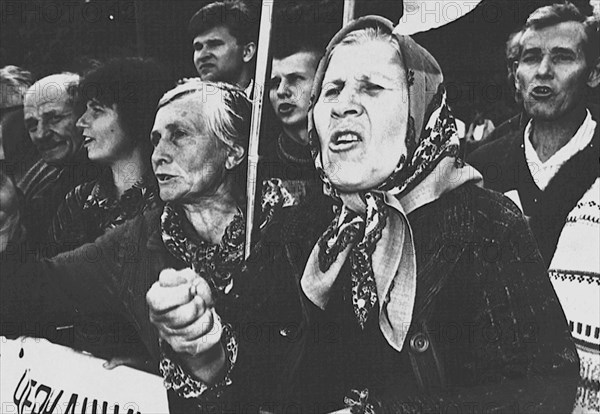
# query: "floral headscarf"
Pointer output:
{"type": "Point", "coordinates": [387, 275]}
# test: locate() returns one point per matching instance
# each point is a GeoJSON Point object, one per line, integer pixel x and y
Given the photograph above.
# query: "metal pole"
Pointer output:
{"type": "Point", "coordinates": [260, 79]}
{"type": "Point", "coordinates": [349, 10]}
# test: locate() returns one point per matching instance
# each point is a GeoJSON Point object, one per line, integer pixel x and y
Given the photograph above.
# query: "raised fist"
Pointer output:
{"type": "Point", "coordinates": [182, 309]}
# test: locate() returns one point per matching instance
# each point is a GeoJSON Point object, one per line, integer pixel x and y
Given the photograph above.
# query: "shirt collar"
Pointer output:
{"type": "Point", "coordinates": [579, 141]}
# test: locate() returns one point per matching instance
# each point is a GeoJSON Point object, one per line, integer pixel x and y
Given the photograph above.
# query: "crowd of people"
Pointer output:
{"type": "Point", "coordinates": [387, 273]}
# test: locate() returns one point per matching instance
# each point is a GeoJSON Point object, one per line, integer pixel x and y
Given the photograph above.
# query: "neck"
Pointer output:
{"type": "Point", "coordinates": [211, 215]}
{"type": "Point", "coordinates": [297, 134]}
{"type": "Point", "coordinates": [550, 136]}
{"type": "Point", "coordinates": [127, 171]}
{"type": "Point", "coordinates": [244, 79]}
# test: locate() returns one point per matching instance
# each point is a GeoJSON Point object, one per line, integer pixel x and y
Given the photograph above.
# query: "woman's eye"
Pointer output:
{"type": "Point", "coordinates": [373, 87]}
{"type": "Point", "coordinates": [178, 133]}
{"type": "Point", "coordinates": [331, 92]}
{"type": "Point", "coordinates": [55, 119]}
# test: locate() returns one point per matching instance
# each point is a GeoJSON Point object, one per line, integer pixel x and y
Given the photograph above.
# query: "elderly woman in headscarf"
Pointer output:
{"type": "Point", "coordinates": [422, 291]}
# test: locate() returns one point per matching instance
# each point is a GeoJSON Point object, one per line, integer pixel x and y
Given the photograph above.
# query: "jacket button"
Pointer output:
{"type": "Point", "coordinates": [419, 343]}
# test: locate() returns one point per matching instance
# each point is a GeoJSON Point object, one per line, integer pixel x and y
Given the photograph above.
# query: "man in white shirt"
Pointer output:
{"type": "Point", "coordinates": [541, 167]}
{"type": "Point", "coordinates": [550, 169]}
{"type": "Point", "coordinates": [225, 35]}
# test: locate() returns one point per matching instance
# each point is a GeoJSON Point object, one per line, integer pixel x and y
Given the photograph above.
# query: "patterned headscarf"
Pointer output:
{"type": "Point", "coordinates": [432, 144]}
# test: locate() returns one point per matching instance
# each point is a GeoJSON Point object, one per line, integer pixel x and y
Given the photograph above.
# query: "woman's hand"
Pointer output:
{"type": "Point", "coordinates": [181, 308]}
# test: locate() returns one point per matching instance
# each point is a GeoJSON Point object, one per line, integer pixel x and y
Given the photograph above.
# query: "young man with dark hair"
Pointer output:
{"type": "Point", "coordinates": [288, 163]}
{"type": "Point", "coordinates": [225, 36]}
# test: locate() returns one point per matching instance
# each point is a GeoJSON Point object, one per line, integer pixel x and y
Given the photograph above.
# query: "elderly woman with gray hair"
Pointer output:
{"type": "Point", "coordinates": [200, 136]}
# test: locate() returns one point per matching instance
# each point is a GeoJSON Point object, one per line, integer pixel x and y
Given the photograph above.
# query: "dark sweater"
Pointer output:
{"type": "Point", "coordinates": [504, 167]}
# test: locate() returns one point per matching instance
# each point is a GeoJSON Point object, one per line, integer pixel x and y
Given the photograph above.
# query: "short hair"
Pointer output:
{"type": "Point", "coordinates": [14, 82]}
{"type": "Point", "coordinates": [290, 42]}
{"type": "Point", "coordinates": [567, 12]}
{"type": "Point", "coordinates": [227, 118]}
{"type": "Point", "coordinates": [235, 15]}
{"type": "Point", "coordinates": [134, 85]}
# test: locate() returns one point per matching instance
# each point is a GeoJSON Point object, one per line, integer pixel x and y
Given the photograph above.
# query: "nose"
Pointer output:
{"type": "Point", "coordinates": [203, 53]}
{"type": "Point", "coordinates": [346, 103]}
{"type": "Point", "coordinates": [82, 122]}
{"type": "Point", "coordinates": [283, 89]}
{"type": "Point", "coordinates": [545, 67]}
{"type": "Point", "coordinates": [161, 154]}
{"type": "Point", "coordinates": [42, 132]}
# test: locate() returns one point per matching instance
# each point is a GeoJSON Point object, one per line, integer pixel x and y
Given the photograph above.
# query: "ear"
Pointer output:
{"type": "Point", "coordinates": [235, 156]}
{"type": "Point", "coordinates": [249, 51]}
{"type": "Point", "coordinates": [594, 76]}
{"type": "Point", "coordinates": [515, 66]}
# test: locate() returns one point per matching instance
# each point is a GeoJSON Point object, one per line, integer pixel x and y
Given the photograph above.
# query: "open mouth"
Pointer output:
{"type": "Point", "coordinates": [541, 92]}
{"type": "Point", "coordinates": [164, 178]}
{"type": "Point", "coordinates": [87, 140]}
{"type": "Point", "coordinates": [344, 141]}
{"type": "Point", "coordinates": [285, 108]}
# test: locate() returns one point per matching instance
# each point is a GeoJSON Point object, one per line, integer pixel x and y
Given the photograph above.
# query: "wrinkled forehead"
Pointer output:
{"type": "Point", "coordinates": [188, 110]}
{"type": "Point", "coordinates": [372, 58]}
{"type": "Point", "coordinates": [566, 35]}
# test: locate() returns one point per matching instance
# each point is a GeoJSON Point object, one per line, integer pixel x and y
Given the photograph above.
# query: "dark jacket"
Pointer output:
{"type": "Point", "coordinates": [504, 168]}
{"type": "Point", "coordinates": [487, 333]}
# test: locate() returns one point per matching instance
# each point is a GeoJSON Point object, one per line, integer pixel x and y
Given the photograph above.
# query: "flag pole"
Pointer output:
{"type": "Point", "coordinates": [349, 11]}
{"type": "Point", "coordinates": [260, 78]}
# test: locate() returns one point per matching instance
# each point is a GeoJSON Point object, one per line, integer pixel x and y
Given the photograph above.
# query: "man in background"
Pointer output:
{"type": "Point", "coordinates": [50, 114]}
{"type": "Point", "coordinates": [225, 37]}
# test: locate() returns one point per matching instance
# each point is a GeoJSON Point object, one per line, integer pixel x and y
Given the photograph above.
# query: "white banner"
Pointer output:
{"type": "Point", "coordinates": [37, 376]}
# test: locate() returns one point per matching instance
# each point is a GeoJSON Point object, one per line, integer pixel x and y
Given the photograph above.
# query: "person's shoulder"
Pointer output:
{"type": "Point", "coordinates": [484, 205]}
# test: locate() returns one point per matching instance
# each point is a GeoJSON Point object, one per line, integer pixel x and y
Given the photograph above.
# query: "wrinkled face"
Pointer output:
{"type": "Point", "coordinates": [218, 56]}
{"type": "Point", "coordinates": [551, 73]}
{"type": "Point", "coordinates": [50, 120]}
{"type": "Point", "coordinates": [188, 161]}
{"type": "Point", "coordinates": [290, 87]}
{"type": "Point", "coordinates": [103, 135]}
{"type": "Point", "coordinates": [361, 115]}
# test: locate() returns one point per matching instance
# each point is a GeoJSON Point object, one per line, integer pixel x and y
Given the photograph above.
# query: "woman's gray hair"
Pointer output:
{"type": "Point", "coordinates": [227, 111]}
